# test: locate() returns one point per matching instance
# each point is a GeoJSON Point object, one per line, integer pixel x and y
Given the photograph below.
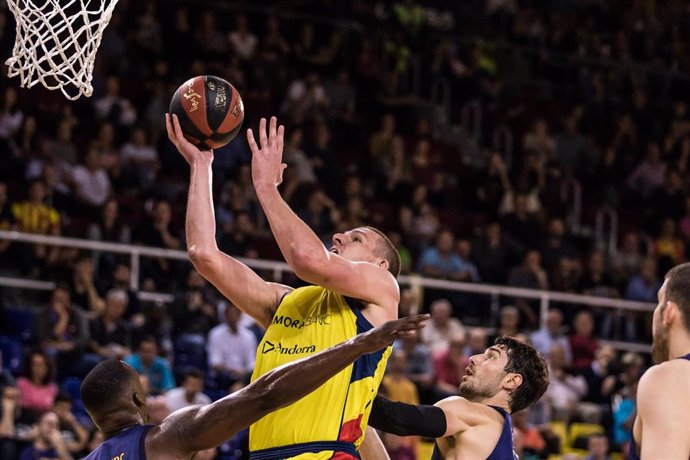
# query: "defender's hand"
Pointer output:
{"type": "Point", "coordinates": [384, 335]}
{"type": "Point", "coordinates": [267, 161]}
{"type": "Point", "coordinates": [189, 151]}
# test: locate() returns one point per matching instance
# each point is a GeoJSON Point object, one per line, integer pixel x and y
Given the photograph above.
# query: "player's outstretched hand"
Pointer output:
{"type": "Point", "coordinates": [384, 335]}
{"type": "Point", "coordinates": [188, 150]}
{"type": "Point", "coordinates": [267, 161]}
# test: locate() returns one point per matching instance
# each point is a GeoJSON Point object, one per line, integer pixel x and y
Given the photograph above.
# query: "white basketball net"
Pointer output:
{"type": "Point", "coordinates": [56, 43]}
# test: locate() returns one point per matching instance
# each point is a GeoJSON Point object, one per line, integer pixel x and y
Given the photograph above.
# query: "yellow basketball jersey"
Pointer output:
{"type": "Point", "coordinates": [331, 421]}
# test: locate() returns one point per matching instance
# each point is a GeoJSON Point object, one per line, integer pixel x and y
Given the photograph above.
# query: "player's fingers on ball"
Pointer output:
{"type": "Point", "coordinates": [262, 133]}
{"type": "Point", "coordinates": [178, 129]}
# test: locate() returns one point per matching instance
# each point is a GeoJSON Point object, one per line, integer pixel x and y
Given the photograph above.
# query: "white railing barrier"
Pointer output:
{"type": "Point", "coordinates": [278, 268]}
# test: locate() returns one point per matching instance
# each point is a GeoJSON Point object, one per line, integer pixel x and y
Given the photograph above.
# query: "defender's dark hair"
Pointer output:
{"type": "Point", "coordinates": [103, 387]}
{"type": "Point", "coordinates": [678, 290]}
{"type": "Point", "coordinates": [525, 360]}
{"type": "Point", "coordinates": [388, 251]}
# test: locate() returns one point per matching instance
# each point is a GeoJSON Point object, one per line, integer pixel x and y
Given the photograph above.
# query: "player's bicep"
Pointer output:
{"type": "Point", "coordinates": [662, 403]}
{"type": "Point", "coordinates": [243, 287]}
{"type": "Point", "coordinates": [359, 280]}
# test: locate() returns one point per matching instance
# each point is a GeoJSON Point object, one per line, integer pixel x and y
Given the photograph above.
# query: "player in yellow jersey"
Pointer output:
{"type": "Point", "coordinates": [354, 289]}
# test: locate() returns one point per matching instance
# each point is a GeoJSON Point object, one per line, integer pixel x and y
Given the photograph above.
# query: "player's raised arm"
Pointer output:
{"type": "Point", "coordinates": [662, 402]}
{"type": "Point", "coordinates": [367, 280]}
{"type": "Point", "coordinates": [235, 280]}
{"type": "Point", "coordinates": [202, 427]}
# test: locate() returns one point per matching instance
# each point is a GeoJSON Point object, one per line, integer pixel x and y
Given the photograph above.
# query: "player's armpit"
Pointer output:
{"type": "Point", "coordinates": [662, 404]}
{"type": "Point", "coordinates": [460, 414]}
{"type": "Point", "coordinates": [241, 285]}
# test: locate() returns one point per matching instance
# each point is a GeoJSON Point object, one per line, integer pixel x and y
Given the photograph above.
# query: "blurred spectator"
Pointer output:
{"type": "Point", "coordinates": [566, 389]}
{"type": "Point", "coordinates": [395, 383]}
{"type": "Point", "coordinates": [670, 248]}
{"type": "Point", "coordinates": [519, 222]}
{"type": "Point", "coordinates": [192, 311]}
{"type": "Point", "coordinates": [110, 226]}
{"type": "Point", "coordinates": [492, 254]}
{"type": "Point", "coordinates": [494, 185]}
{"type": "Point", "coordinates": [114, 108]}
{"type": "Point", "coordinates": [74, 435]}
{"type": "Point", "coordinates": [11, 115]}
{"type": "Point", "coordinates": [419, 365]}
{"type": "Point", "coordinates": [627, 260]}
{"type": "Point", "coordinates": [6, 377]}
{"type": "Point", "coordinates": [529, 275]}
{"type": "Point", "coordinates": [645, 285]}
{"type": "Point", "coordinates": [110, 334]}
{"type": "Point", "coordinates": [540, 141]}
{"type": "Point", "coordinates": [623, 402]}
{"type": "Point", "coordinates": [49, 444]}
{"type": "Point", "coordinates": [596, 280]}
{"type": "Point", "coordinates": [442, 262]}
{"type": "Point", "coordinates": [305, 99]}
{"type": "Point", "coordinates": [140, 161]}
{"type": "Point", "coordinates": [437, 333]}
{"type": "Point", "coordinates": [449, 366]}
{"type": "Point", "coordinates": [231, 349]}
{"type": "Point", "coordinates": [598, 447]}
{"type": "Point", "coordinates": [242, 41]}
{"type": "Point", "coordinates": [84, 291]}
{"type": "Point", "coordinates": [551, 334]}
{"type": "Point", "coordinates": [533, 442]}
{"type": "Point", "coordinates": [601, 382]}
{"type": "Point", "coordinates": [91, 182]}
{"type": "Point", "coordinates": [61, 329]}
{"type": "Point", "coordinates": [37, 386]}
{"type": "Point", "coordinates": [159, 231]}
{"type": "Point", "coordinates": [156, 368]}
{"type": "Point", "coordinates": [189, 394]}
{"type": "Point", "coordinates": [508, 322]}
{"type": "Point", "coordinates": [8, 408]}
{"type": "Point", "coordinates": [477, 342]}
{"type": "Point", "coordinates": [7, 222]}
{"type": "Point", "coordinates": [556, 245]}
{"type": "Point", "coordinates": [650, 174]}
{"type": "Point", "coordinates": [572, 150]}
{"type": "Point", "coordinates": [583, 344]}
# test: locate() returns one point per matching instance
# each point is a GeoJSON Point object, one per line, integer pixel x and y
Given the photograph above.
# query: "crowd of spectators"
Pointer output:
{"type": "Point", "coordinates": [591, 91]}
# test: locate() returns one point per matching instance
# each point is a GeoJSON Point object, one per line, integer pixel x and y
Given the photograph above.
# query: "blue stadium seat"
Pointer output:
{"type": "Point", "coordinates": [20, 323]}
{"type": "Point", "coordinates": [71, 386]}
{"type": "Point", "coordinates": [190, 352]}
{"type": "Point", "coordinates": [12, 354]}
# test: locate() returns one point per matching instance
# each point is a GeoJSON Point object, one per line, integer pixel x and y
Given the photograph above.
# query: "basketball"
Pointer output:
{"type": "Point", "coordinates": [209, 109]}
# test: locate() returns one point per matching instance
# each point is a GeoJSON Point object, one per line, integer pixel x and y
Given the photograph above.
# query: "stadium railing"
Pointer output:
{"type": "Point", "coordinates": [135, 252]}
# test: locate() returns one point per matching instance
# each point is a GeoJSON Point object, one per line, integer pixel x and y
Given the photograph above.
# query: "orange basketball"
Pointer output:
{"type": "Point", "coordinates": [209, 109]}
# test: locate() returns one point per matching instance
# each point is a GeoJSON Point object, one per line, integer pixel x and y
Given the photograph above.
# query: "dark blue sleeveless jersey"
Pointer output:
{"type": "Point", "coordinates": [128, 445]}
{"type": "Point", "coordinates": [635, 449]}
{"type": "Point", "coordinates": [504, 447]}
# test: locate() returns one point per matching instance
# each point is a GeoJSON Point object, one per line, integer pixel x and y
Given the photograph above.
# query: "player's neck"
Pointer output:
{"type": "Point", "coordinates": [679, 345]}
{"type": "Point", "coordinates": [118, 423]}
{"type": "Point", "coordinates": [498, 400]}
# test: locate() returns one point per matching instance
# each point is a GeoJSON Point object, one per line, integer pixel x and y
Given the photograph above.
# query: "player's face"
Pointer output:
{"type": "Point", "coordinates": [484, 375]}
{"type": "Point", "coordinates": [659, 330]}
{"type": "Point", "coordinates": [358, 245]}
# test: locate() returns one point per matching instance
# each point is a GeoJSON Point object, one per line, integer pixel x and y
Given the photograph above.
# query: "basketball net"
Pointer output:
{"type": "Point", "coordinates": [57, 41]}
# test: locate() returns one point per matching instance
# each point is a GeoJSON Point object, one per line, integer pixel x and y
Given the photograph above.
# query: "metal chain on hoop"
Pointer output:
{"type": "Point", "coordinates": [56, 43]}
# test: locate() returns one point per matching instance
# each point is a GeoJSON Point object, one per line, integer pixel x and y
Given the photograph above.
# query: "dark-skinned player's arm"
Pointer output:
{"type": "Point", "coordinates": [239, 283]}
{"type": "Point", "coordinates": [662, 412]}
{"type": "Point", "coordinates": [302, 249]}
{"type": "Point", "coordinates": [202, 427]}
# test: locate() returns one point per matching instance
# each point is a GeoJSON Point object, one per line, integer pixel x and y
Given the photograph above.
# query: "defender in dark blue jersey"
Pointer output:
{"type": "Point", "coordinates": [506, 378]}
{"type": "Point", "coordinates": [662, 424]}
{"type": "Point", "coordinates": [114, 398]}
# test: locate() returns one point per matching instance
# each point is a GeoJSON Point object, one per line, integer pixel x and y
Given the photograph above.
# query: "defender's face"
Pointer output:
{"type": "Point", "coordinates": [484, 375]}
{"type": "Point", "coordinates": [356, 245]}
{"type": "Point", "coordinates": [660, 345]}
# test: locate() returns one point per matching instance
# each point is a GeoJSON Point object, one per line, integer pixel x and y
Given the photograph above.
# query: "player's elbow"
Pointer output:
{"type": "Point", "coordinates": [308, 265]}
{"type": "Point", "coordinates": [201, 258]}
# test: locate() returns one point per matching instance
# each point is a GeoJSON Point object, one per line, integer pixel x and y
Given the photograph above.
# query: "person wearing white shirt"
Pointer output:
{"type": "Point", "coordinates": [189, 394]}
{"type": "Point", "coordinates": [231, 349]}
{"type": "Point", "coordinates": [552, 334]}
{"type": "Point", "coordinates": [91, 182]}
{"type": "Point", "coordinates": [437, 333]}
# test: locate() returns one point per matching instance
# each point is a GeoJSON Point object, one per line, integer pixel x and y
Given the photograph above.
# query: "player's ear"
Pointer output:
{"type": "Point", "coordinates": [136, 399]}
{"type": "Point", "coordinates": [512, 381]}
{"type": "Point", "coordinates": [383, 263]}
{"type": "Point", "coordinates": [670, 313]}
